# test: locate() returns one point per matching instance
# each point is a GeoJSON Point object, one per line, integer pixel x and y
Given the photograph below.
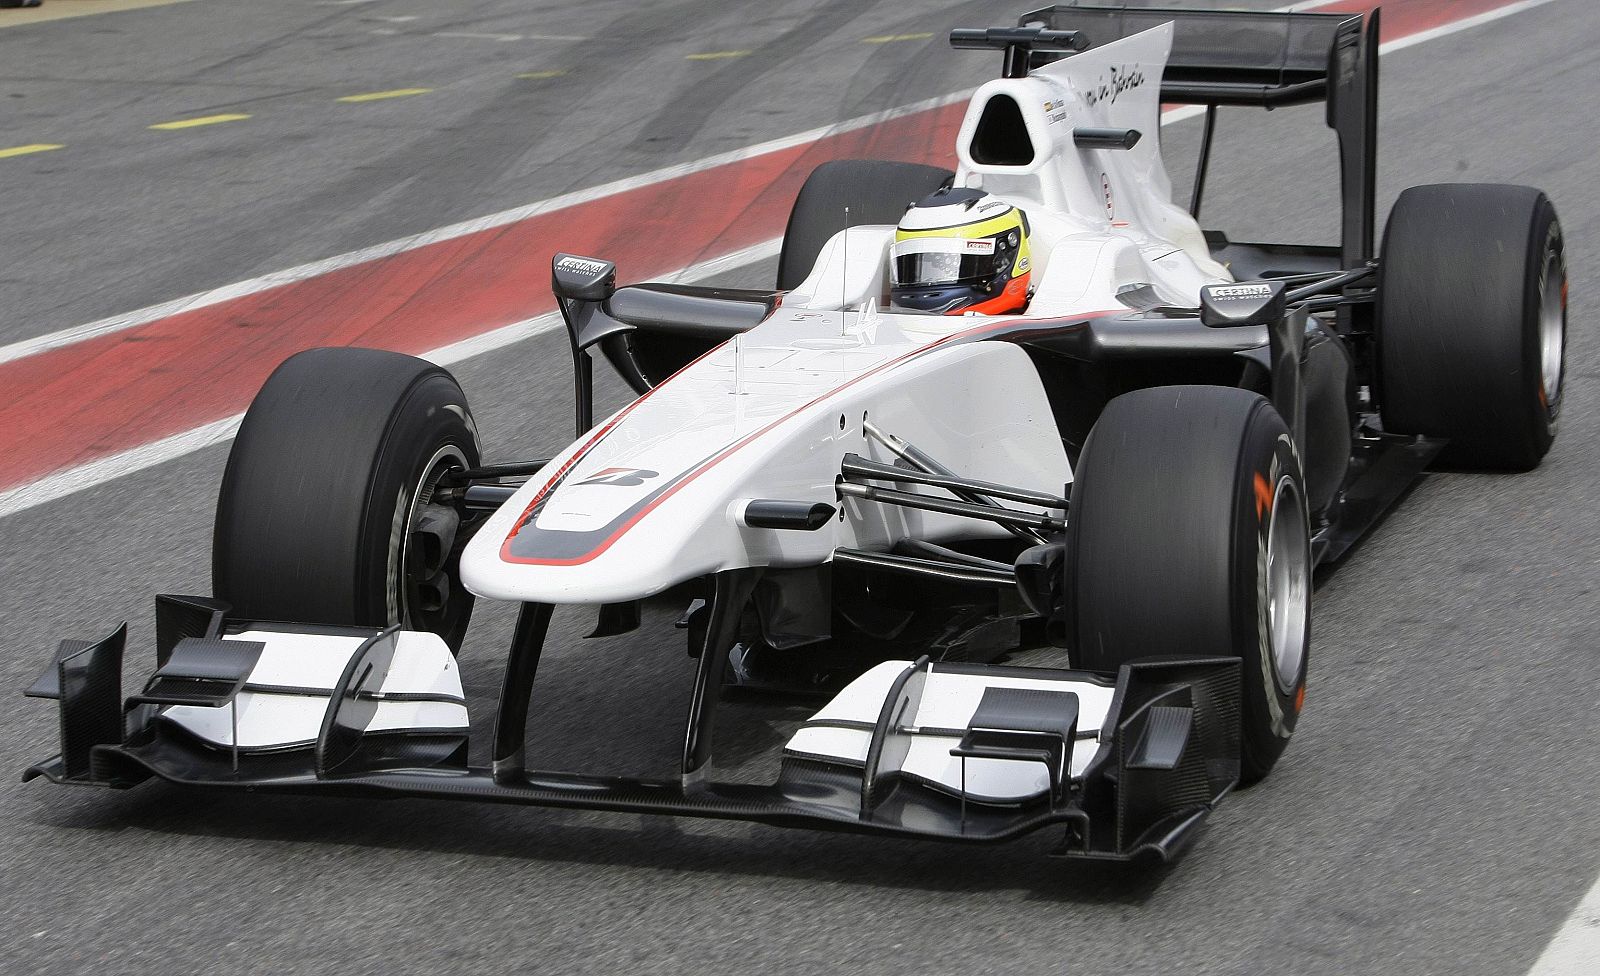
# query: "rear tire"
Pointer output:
{"type": "Point", "coordinates": [1188, 535]}
{"type": "Point", "coordinates": [1472, 322]}
{"type": "Point", "coordinates": [325, 511]}
{"type": "Point", "coordinates": [877, 192]}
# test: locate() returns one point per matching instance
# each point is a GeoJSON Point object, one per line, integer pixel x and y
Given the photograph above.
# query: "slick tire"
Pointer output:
{"type": "Point", "coordinates": [877, 192]}
{"type": "Point", "coordinates": [1188, 535]}
{"type": "Point", "coordinates": [326, 513]}
{"type": "Point", "coordinates": [1472, 322]}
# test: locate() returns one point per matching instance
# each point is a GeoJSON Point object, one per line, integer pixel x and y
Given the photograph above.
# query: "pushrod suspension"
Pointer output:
{"type": "Point", "coordinates": [925, 568]}
{"type": "Point", "coordinates": [857, 466]}
{"type": "Point", "coordinates": [1329, 283]}
{"type": "Point", "coordinates": [922, 462]}
{"type": "Point", "coordinates": [928, 503]}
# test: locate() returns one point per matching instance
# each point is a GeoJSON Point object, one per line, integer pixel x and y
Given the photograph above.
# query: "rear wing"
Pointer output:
{"type": "Point", "coordinates": [1261, 58]}
{"type": "Point", "coordinates": [1226, 57]}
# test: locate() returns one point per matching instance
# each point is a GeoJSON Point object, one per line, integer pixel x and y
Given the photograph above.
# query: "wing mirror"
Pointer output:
{"type": "Point", "coordinates": [582, 279]}
{"type": "Point", "coordinates": [1244, 303]}
{"type": "Point", "coordinates": [1085, 137]}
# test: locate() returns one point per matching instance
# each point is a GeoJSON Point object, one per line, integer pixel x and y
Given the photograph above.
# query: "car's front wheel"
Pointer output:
{"type": "Point", "coordinates": [1188, 535]}
{"type": "Point", "coordinates": [328, 510]}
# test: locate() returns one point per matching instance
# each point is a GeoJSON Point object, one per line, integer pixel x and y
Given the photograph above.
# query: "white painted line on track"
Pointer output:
{"type": "Point", "coordinates": [1410, 40]}
{"type": "Point", "coordinates": [128, 320]}
{"type": "Point", "coordinates": [71, 480]}
{"type": "Point", "coordinates": [1575, 950]}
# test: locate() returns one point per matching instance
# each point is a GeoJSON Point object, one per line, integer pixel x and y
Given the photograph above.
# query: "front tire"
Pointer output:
{"type": "Point", "coordinates": [326, 513]}
{"type": "Point", "coordinates": [1188, 535]}
{"type": "Point", "coordinates": [1472, 322]}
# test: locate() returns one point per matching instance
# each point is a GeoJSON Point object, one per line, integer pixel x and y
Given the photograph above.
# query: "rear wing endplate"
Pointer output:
{"type": "Point", "coordinates": [1262, 58]}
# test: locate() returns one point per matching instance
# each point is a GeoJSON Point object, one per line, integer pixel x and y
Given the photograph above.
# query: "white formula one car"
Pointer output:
{"type": "Point", "coordinates": [1029, 402]}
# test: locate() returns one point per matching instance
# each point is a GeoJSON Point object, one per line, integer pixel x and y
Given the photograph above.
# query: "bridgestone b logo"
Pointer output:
{"type": "Point", "coordinates": [1224, 293]}
{"type": "Point", "coordinates": [619, 476]}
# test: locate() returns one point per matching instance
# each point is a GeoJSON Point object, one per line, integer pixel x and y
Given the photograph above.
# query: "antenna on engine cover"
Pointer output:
{"type": "Point", "coordinates": [844, 279]}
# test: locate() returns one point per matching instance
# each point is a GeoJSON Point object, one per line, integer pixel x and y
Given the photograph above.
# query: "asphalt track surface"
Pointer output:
{"type": "Point", "coordinates": [1434, 814]}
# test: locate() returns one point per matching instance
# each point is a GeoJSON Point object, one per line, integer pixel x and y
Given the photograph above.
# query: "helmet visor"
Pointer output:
{"type": "Point", "coordinates": [929, 261]}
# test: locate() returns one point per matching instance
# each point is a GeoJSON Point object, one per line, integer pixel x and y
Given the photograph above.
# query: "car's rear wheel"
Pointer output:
{"type": "Point", "coordinates": [1188, 535]}
{"type": "Point", "coordinates": [327, 512]}
{"type": "Point", "coordinates": [876, 191]}
{"type": "Point", "coordinates": [1472, 321]}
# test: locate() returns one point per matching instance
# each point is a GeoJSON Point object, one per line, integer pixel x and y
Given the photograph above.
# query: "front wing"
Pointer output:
{"type": "Point", "coordinates": [919, 749]}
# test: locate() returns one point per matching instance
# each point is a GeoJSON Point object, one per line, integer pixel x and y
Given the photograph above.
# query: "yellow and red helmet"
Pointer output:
{"type": "Point", "coordinates": [959, 251]}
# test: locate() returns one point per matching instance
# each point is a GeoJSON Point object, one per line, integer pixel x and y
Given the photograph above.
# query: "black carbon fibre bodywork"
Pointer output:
{"type": "Point", "coordinates": [1121, 806]}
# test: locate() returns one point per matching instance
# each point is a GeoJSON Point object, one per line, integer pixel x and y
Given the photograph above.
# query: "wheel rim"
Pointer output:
{"type": "Point", "coordinates": [1552, 329]}
{"type": "Point", "coordinates": [426, 548]}
{"type": "Point", "coordinates": [1288, 583]}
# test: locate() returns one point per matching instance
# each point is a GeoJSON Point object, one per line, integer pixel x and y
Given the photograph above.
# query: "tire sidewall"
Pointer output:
{"type": "Point", "coordinates": [433, 415]}
{"type": "Point", "coordinates": [1545, 239]}
{"type": "Point", "coordinates": [1269, 713]}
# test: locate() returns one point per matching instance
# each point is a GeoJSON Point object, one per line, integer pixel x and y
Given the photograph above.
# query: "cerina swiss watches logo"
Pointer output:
{"type": "Point", "coordinates": [581, 265]}
{"type": "Point", "coordinates": [1239, 292]}
{"type": "Point", "coordinates": [619, 476]}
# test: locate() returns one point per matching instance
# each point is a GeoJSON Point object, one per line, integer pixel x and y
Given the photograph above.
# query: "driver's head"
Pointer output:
{"type": "Point", "coordinates": [958, 251]}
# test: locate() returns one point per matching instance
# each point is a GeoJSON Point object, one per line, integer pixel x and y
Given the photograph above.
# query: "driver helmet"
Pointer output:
{"type": "Point", "coordinates": [960, 250]}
